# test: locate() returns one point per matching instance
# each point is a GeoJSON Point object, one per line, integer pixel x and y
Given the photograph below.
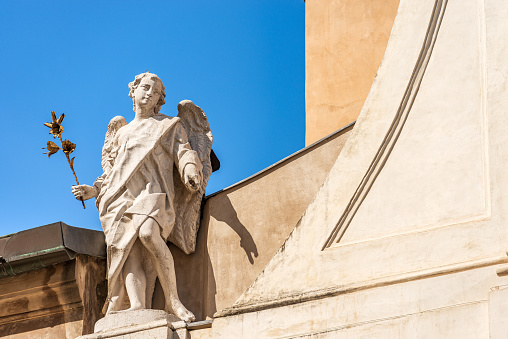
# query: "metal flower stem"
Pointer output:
{"type": "Point", "coordinates": [72, 168]}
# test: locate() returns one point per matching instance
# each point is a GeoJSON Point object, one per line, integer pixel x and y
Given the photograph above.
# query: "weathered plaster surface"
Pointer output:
{"type": "Point", "coordinates": [445, 306]}
{"type": "Point", "coordinates": [417, 191]}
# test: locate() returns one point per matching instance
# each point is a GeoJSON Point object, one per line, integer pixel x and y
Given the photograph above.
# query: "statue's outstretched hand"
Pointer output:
{"type": "Point", "coordinates": [85, 192]}
{"type": "Point", "coordinates": [192, 177]}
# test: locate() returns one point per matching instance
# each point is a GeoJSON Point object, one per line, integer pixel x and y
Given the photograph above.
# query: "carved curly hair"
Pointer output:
{"type": "Point", "coordinates": [133, 85]}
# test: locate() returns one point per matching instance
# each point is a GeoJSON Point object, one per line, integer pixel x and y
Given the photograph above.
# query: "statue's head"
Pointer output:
{"type": "Point", "coordinates": [160, 89]}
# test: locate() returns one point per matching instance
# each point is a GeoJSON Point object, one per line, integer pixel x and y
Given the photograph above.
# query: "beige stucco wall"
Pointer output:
{"type": "Point", "coordinates": [345, 42]}
{"type": "Point", "coordinates": [407, 237]}
{"type": "Point", "coordinates": [244, 226]}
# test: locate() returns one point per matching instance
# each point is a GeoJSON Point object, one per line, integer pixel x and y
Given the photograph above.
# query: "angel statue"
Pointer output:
{"type": "Point", "coordinates": [155, 173]}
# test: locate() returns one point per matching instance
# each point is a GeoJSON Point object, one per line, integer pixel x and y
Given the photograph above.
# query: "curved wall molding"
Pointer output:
{"type": "Point", "coordinates": [396, 126]}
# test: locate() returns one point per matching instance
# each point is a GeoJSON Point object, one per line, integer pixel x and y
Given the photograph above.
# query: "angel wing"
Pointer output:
{"type": "Point", "coordinates": [187, 204]}
{"type": "Point", "coordinates": [107, 157]}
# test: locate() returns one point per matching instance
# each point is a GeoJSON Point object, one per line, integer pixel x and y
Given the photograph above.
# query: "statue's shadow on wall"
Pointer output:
{"type": "Point", "coordinates": [195, 273]}
{"type": "Point", "coordinates": [227, 214]}
{"type": "Point", "coordinates": [221, 210]}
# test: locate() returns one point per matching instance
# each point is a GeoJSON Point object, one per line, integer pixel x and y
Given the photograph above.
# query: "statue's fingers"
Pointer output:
{"type": "Point", "coordinates": [193, 185]}
{"type": "Point", "coordinates": [197, 180]}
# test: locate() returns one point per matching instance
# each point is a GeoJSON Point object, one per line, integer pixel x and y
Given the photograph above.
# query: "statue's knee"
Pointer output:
{"type": "Point", "coordinates": [145, 235]}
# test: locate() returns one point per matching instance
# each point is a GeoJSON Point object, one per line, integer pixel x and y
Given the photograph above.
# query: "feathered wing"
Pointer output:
{"type": "Point", "coordinates": [188, 204]}
{"type": "Point", "coordinates": [108, 157]}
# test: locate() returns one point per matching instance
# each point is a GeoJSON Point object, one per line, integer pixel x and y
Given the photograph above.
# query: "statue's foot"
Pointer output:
{"type": "Point", "coordinates": [112, 307]}
{"type": "Point", "coordinates": [176, 307]}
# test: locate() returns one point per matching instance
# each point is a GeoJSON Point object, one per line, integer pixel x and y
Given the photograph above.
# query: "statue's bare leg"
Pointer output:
{"type": "Point", "coordinates": [135, 278]}
{"type": "Point", "coordinates": [149, 234]}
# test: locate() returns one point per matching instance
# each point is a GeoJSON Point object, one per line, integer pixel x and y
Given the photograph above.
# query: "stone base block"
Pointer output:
{"type": "Point", "coordinates": [139, 324]}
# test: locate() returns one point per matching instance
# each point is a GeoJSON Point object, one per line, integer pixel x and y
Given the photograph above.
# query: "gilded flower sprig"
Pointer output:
{"type": "Point", "coordinates": [55, 126]}
{"type": "Point", "coordinates": [65, 145]}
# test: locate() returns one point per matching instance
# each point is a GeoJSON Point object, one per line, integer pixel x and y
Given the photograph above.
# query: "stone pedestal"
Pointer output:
{"type": "Point", "coordinates": [139, 324]}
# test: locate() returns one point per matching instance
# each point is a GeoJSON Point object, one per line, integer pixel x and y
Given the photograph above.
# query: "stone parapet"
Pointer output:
{"type": "Point", "coordinates": [52, 281]}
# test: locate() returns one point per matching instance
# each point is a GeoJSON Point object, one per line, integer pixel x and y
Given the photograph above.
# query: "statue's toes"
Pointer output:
{"type": "Point", "coordinates": [186, 316]}
{"type": "Point", "coordinates": [177, 308]}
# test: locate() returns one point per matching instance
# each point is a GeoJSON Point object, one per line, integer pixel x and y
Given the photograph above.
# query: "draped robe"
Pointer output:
{"type": "Point", "coordinates": [141, 182]}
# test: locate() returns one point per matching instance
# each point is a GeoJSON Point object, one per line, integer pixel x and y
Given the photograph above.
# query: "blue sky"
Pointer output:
{"type": "Point", "coordinates": [242, 61]}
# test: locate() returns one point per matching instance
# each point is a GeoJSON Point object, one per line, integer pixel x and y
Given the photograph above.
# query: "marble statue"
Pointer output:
{"type": "Point", "coordinates": [155, 173]}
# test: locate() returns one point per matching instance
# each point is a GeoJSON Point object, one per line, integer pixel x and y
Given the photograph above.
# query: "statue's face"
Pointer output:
{"type": "Point", "coordinates": [147, 93]}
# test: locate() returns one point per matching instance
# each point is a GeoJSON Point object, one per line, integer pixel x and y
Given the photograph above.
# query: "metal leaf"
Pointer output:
{"type": "Point", "coordinates": [52, 148]}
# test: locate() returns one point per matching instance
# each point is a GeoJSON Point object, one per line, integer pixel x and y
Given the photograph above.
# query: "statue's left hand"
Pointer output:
{"type": "Point", "coordinates": [192, 177]}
